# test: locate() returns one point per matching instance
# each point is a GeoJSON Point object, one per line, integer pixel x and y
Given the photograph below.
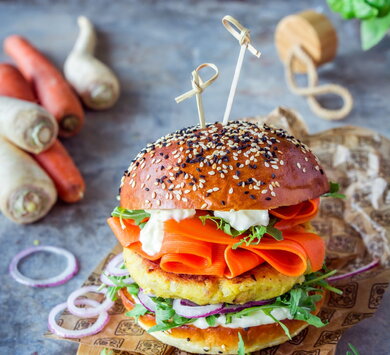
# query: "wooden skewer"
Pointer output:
{"type": "Point", "coordinates": [197, 88]}
{"type": "Point", "coordinates": [242, 35]}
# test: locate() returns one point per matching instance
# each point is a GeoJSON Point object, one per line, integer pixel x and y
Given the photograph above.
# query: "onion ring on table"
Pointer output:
{"type": "Point", "coordinates": [87, 312]}
{"type": "Point", "coordinates": [71, 269]}
{"type": "Point", "coordinates": [113, 267]}
{"type": "Point", "coordinates": [100, 323]}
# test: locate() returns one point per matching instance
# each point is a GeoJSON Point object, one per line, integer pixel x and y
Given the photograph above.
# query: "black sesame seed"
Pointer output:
{"type": "Point", "coordinates": [246, 192]}
{"type": "Point", "coordinates": [223, 203]}
{"type": "Point", "coordinates": [273, 176]}
{"type": "Point", "coordinates": [268, 198]}
{"type": "Point", "coordinates": [253, 197]}
{"type": "Point", "coordinates": [146, 188]}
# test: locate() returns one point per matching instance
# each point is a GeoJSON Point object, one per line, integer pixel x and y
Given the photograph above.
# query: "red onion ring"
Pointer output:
{"type": "Point", "coordinates": [108, 282]}
{"type": "Point", "coordinates": [364, 268]}
{"type": "Point", "coordinates": [146, 301]}
{"type": "Point", "coordinates": [70, 270]}
{"type": "Point", "coordinates": [100, 323]}
{"type": "Point", "coordinates": [230, 308]}
{"type": "Point", "coordinates": [87, 312]}
{"type": "Point", "coordinates": [196, 311]}
{"type": "Point", "coordinates": [113, 267]}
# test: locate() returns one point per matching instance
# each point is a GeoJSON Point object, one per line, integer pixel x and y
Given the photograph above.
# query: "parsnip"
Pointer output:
{"type": "Point", "coordinates": [27, 193]}
{"type": "Point", "coordinates": [27, 125]}
{"type": "Point", "coordinates": [96, 84]}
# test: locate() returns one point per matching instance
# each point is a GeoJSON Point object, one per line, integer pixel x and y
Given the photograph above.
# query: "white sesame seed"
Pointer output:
{"type": "Point", "coordinates": [211, 172]}
{"type": "Point", "coordinates": [230, 190]}
{"type": "Point", "coordinates": [266, 165]}
{"type": "Point", "coordinates": [154, 194]}
{"type": "Point", "coordinates": [264, 191]}
{"type": "Point", "coordinates": [203, 206]}
{"type": "Point", "coordinates": [275, 167]}
{"type": "Point", "coordinates": [215, 188]}
{"type": "Point", "coordinates": [298, 165]}
{"type": "Point", "coordinates": [236, 177]}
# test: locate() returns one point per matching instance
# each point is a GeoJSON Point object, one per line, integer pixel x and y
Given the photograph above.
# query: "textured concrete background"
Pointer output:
{"type": "Point", "coordinates": [154, 46]}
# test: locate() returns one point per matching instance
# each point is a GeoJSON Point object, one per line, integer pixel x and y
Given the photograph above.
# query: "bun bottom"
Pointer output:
{"type": "Point", "coordinates": [220, 340]}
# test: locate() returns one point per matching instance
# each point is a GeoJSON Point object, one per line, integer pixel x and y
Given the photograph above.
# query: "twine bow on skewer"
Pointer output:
{"type": "Point", "coordinates": [241, 33]}
{"type": "Point", "coordinates": [198, 85]}
{"type": "Point", "coordinates": [314, 89]}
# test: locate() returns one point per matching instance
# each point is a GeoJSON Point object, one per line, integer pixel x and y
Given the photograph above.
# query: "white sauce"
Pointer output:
{"type": "Point", "coordinates": [244, 219]}
{"type": "Point", "coordinates": [152, 235]}
{"type": "Point", "coordinates": [253, 320]}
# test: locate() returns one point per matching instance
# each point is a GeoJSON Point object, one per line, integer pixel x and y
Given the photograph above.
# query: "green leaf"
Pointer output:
{"type": "Point", "coordinates": [334, 187]}
{"type": "Point", "coordinates": [241, 345]}
{"type": "Point", "coordinates": [106, 351]}
{"type": "Point", "coordinates": [211, 320]}
{"type": "Point", "coordinates": [137, 215]}
{"type": "Point", "coordinates": [383, 6]}
{"type": "Point", "coordinates": [138, 310]}
{"type": "Point", "coordinates": [133, 289]}
{"type": "Point", "coordinates": [348, 9]}
{"type": "Point", "coordinates": [373, 30]}
{"type": "Point", "coordinates": [221, 224]}
{"type": "Point", "coordinates": [353, 351]}
{"type": "Point", "coordinates": [274, 232]}
{"type": "Point", "coordinates": [284, 327]}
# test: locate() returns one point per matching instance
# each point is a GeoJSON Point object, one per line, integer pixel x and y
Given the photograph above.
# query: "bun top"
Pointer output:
{"type": "Point", "coordinates": [237, 166]}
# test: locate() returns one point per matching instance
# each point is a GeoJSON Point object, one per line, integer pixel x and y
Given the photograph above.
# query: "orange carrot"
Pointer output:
{"type": "Point", "coordinates": [52, 90]}
{"type": "Point", "coordinates": [60, 166]}
{"type": "Point", "coordinates": [13, 84]}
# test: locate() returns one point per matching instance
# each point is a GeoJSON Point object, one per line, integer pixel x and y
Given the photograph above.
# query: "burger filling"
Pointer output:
{"type": "Point", "coordinates": [299, 303]}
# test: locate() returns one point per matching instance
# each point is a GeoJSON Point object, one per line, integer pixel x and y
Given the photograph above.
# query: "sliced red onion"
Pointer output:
{"type": "Point", "coordinates": [87, 312]}
{"type": "Point", "coordinates": [70, 270]}
{"type": "Point", "coordinates": [231, 308]}
{"type": "Point", "coordinates": [114, 266]}
{"type": "Point", "coordinates": [108, 282]}
{"type": "Point", "coordinates": [364, 268]}
{"type": "Point", "coordinates": [146, 301]}
{"type": "Point", "coordinates": [100, 323]}
{"type": "Point", "coordinates": [196, 311]}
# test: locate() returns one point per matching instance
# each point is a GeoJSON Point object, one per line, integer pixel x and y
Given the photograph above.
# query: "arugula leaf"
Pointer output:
{"type": "Point", "coordinates": [333, 191]}
{"type": "Point", "coordinates": [133, 289]}
{"type": "Point", "coordinates": [138, 310]}
{"type": "Point", "coordinates": [176, 321]}
{"type": "Point", "coordinates": [241, 345]}
{"type": "Point", "coordinates": [137, 215]}
{"type": "Point", "coordinates": [257, 232]}
{"type": "Point", "coordinates": [211, 320]}
{"type": "Point", "coordinates": [221, 224]}
{"type": "Point", "coordinates": [353, 351]}
{"type": "Point", "coordinates": [284, 327]}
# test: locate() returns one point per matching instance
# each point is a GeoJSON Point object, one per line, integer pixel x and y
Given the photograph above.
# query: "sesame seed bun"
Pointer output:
{"type": "Point", "coordinates": [220, 340]}
{"type": "Point", "coordinates": [233, 167]}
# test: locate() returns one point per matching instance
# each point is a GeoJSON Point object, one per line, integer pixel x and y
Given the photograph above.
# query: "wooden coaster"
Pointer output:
{"type": "Point", "coordinates": [313, 32]}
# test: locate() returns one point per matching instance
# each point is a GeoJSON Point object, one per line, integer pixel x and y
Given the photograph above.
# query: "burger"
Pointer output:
{"type": "Point", "coordinates": [216, 235]}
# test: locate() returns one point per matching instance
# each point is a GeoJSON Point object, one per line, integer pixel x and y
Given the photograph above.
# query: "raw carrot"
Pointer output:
{"type": "Point", "coordinates": [61, 168]}
{"type": "Point", "coordinates": [94, 81]}
{"type": "Point", "coordinates": [26, 193]}
{"type": "Point", "coordinates": [13, 84]}
{"type": "Point", "coordinates": [52, 90]}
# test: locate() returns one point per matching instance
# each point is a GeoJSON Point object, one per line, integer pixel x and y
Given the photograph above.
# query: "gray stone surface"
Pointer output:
{"type": "Point", "coordinates": [154, 46]}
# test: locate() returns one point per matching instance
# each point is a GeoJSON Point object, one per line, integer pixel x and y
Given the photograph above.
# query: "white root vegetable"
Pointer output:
{"type": "Point", "coordinates": [27, 193]}
{"type": "Point", "coordinates": [96, 84]}
{"type": "Point", "coordinates": [27, 125]}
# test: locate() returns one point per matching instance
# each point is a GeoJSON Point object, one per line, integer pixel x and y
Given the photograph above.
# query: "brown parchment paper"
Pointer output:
{"type": "Point", "coordinates": [356, 231]}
